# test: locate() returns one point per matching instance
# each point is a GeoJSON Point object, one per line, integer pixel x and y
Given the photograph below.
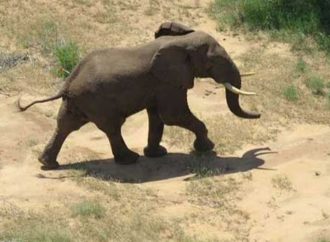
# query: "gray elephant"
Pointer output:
{"type": "Point", "coordinates": [109, 85]}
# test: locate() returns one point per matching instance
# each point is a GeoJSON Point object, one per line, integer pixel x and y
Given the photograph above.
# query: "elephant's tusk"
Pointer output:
{"type": "Point", "coordinates": [238, 91]}
{"type": "Point", "coordinates": [248, 74]}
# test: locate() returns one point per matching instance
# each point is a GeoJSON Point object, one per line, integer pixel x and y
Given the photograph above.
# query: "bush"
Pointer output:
{"type": "Point", "coordinates": [68, 56]}
{"type": "Point", "coordinates": [316, 84]}
{"type": "Point", "coordinates": [301, 66]}
{"type": "Point", "coordinates": [88, 208]}
{"type": "Point", "coordinates": [291, 93]}
{"type": "Point", "coordinates": [308, 17]}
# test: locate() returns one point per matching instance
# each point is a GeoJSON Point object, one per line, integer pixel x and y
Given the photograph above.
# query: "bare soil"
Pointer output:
{"type": "Point", "coordinates": [278, 187]}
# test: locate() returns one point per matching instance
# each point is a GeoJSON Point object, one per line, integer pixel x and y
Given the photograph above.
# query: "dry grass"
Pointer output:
{"type": "Point", "coordinates": [117, 212]}
{"type": "Point", "coordinates": [220, 196]}
{"type": "Point", "coordinates": [282, 182]}
{"type": "Point", "coordinates": [127, 212]}
{"type": "Point", "coordinates": [36, 27]}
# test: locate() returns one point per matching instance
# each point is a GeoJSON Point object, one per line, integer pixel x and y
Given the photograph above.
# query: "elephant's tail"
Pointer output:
{"type": "Point", "coordinates": [23, 108]}
{"type": "Point", "coordinates": [60, 94]}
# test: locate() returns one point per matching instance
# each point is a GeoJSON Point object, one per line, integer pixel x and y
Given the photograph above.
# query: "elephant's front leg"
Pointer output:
{"type": "Point", "coordinates": [156, 128]}
{"type": "Point", "coordinates": [202, 142]}
{"type": "Point", "coordinates": [175, 111]}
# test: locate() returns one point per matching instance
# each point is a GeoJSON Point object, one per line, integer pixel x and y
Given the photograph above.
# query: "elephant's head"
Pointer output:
{"type": "Point", "coordinates": [172, 28]}
{"type": "Point", "coordinates": [196, 54]}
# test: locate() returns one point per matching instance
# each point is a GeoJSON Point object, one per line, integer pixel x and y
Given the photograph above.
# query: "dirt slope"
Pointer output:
{"type": "Point", "coordinates": [276, 190]}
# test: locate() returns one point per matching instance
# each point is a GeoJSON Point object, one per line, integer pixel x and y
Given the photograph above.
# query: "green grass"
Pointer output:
{"type": "Point", "coordinates": [291, 93]}
{"type": "Point", "coordinates": [200, 165]}
{"type": "Point", "coordinates": [316, 85]}
{"type": "Point", "coordinates": [301, 66]}
{"type": "Point", "coordinates": [308, 18]}
{"type": "Point", "coordinates": [89, 209]}
{"type": "Point", "coordinates": [51, 39]}
{"type": "Point", "coordinates": [68, 56]}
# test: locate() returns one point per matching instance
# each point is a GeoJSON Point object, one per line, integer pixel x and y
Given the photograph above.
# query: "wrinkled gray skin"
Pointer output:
{"type": "Point", "coordinates": [109, 85]}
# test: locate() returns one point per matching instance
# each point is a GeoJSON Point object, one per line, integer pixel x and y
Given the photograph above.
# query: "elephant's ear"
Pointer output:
{"type": "Point", "coordinates": [172, 28]}
{"type": "Point", "coordinates": [172, 65]}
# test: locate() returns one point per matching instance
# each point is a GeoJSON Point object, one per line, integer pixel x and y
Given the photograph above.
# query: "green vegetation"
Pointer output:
{"type": "Point", "coordinates": [291, 93]}
{"type": "Point", "coordinates": [88, 209]}
{"type": "Point", "coordinates": [301, 66]}
{"type": "Point", "coordinates": [316, 85]}
{"type": "Point", "coordinates": [45, 35]}
{"type": "Point", "coordinates": [290, 20]}
{"type": "Point", "coordinates": [200, 165]}
{"type": "Point", "coordinates": [68, 56]}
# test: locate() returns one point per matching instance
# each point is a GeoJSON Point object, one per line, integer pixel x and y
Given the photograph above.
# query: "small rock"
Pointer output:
{"type": "Point", "coordinates": [317, 173]}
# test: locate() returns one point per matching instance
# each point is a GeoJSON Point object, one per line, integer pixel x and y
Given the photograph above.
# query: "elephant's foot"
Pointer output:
{"type": "Point", "coordinates": [127, 158]}
{"type": "Point", "coordinates": [48, 164]}
{"type": "Point", "coordinates": [203, 145]}
{"type": "Point", "coordinates": [155, 151]}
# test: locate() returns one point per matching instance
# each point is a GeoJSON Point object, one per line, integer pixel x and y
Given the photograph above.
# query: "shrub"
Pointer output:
{"type": "Point", "coordinates": [291, 93]}
{"type": "Point", "coordinates": [67, 54]}
{"type": "Point", "coordinates": [88, 209]}
{"type": "Point", "coordinates": [301, 66]}
{"type": "Point", "coordinates": [316, 84]}
{"type": "Point", "coordinates": [308, 17]}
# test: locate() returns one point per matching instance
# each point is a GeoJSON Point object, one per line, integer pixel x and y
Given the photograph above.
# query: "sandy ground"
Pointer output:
{"type": "Point", "coordinates": [297, 211]}
{"type": "Point", "coordinates": [287, 190]}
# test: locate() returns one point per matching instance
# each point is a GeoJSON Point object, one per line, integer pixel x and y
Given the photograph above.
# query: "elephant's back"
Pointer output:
{"type": "Point", "coordinates": [113, 69]}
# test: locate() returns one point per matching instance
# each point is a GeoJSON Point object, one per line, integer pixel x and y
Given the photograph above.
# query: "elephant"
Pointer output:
{"type": "Point", "coordinates": [109, 85]}
{"type": "Point", "coordinates": [172, 28]}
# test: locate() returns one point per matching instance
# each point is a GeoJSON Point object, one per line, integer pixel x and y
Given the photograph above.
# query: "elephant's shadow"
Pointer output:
{"type": "Point", "coordinates": [170, 166]}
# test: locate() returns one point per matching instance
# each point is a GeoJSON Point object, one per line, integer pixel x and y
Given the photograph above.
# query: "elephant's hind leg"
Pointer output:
{"type": "Point", "coordinates": [156, 128]}
{"type": "Point", "coordinates": [68, 120]}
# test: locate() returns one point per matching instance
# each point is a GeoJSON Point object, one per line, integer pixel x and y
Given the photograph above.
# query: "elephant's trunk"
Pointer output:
{"type": "Point", "coordinates": [233, 105]}
{"type": "Point", "coordinates": [233, 99]}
